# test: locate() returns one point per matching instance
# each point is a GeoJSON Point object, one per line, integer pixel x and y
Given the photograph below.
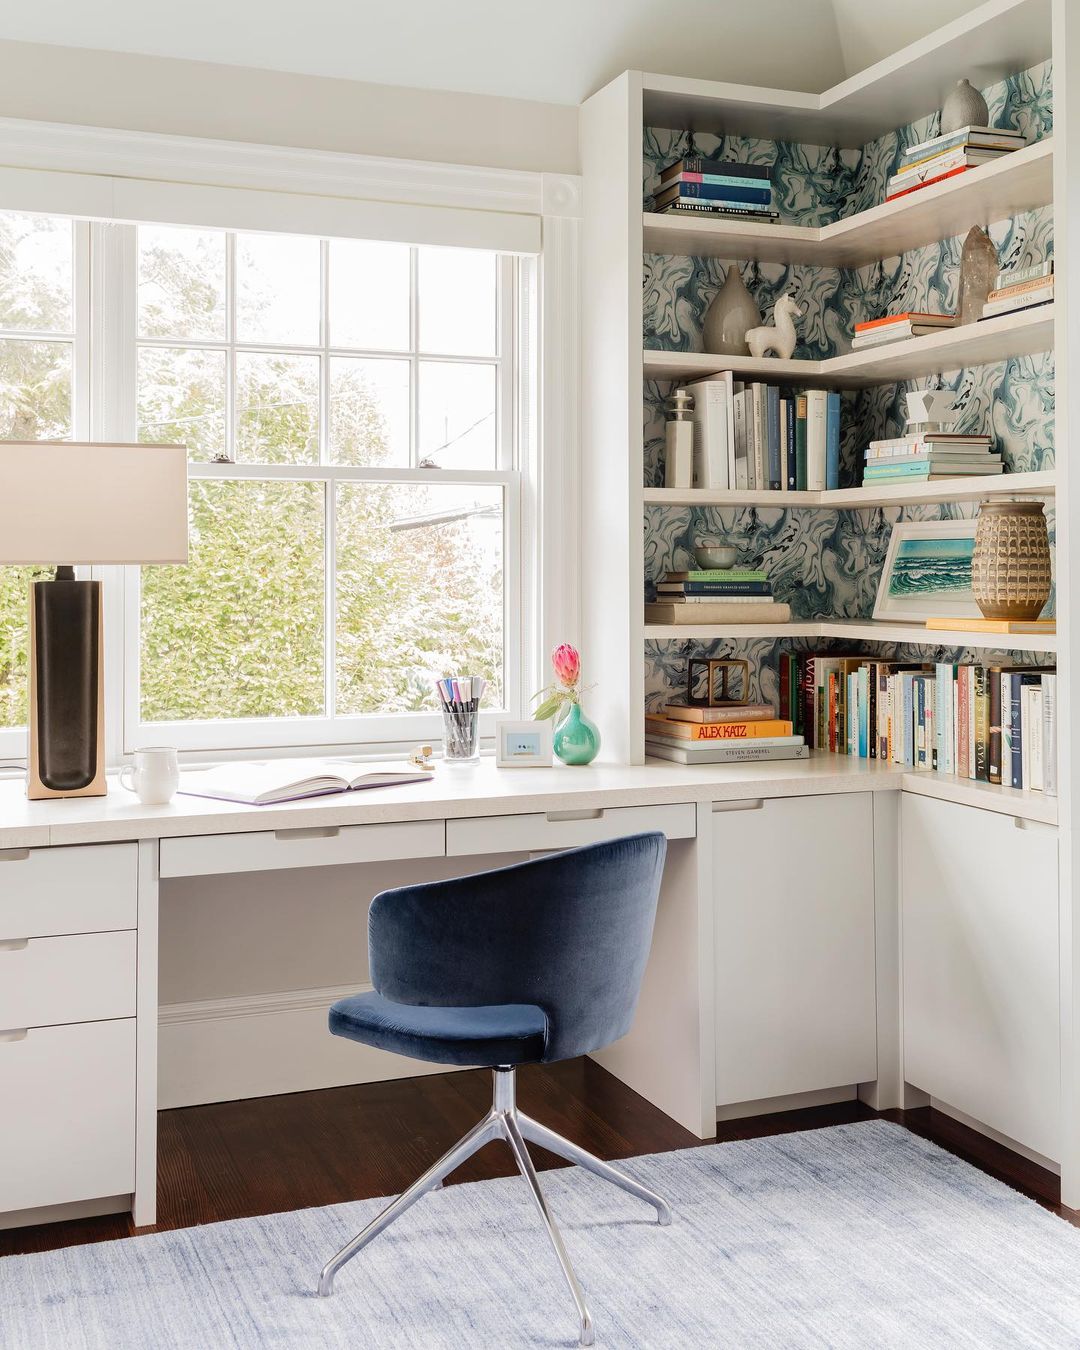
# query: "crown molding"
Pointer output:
{"type": "Point", "coordinates": [59, 147]}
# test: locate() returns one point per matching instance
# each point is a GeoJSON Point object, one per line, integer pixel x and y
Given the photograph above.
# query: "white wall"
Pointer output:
{"type": "Point", "coordinates": [193, 98]}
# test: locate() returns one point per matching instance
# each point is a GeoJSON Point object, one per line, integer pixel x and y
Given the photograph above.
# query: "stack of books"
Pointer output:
{"type": "Point", "coordinates": [943, 157]}
{"type": "Point", "coordinates": [701, 186]}
{"type": "Point", "coordinates": [1021, 288]}
{"type": "Point", "coordinates": [729, 735]}
{"type": "Point", "coordinates": [927, 455]}
{"type": "Point", "coordinates": [716, 596]}
{"type": "Point", "coordinates": [989, 724]}
{"type": "Point", "coordinates": [894, 327]}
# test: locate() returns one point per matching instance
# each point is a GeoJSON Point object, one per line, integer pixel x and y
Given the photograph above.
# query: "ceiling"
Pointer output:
{"type": "Point", "coordinates": [558, 51]}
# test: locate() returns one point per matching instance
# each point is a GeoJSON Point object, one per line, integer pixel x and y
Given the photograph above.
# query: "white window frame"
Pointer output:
{"type": "Point", "coordinates": [107, 176]}
{"type": "Point", "coordinates": [376, 731]}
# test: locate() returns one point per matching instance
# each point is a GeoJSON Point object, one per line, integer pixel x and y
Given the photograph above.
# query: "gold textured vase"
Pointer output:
{"type": "Point", "coordinates": [1010, 568]}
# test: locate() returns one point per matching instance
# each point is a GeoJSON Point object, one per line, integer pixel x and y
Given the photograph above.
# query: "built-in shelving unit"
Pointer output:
{"type": "Point", "coordinates": [855, 630]}
{"type": "Point", "coordinates": [1018, 182]}
{"type": "Point", "coordinates": [975, 344]}
{"type": "Point", "coordinates": [998, 39]}
{"type": "Point", "coordinates": [1040, 484]}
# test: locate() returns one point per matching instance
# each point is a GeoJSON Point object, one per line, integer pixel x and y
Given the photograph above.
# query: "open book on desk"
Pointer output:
{"type": "Point", "coordinates": [270, 781]}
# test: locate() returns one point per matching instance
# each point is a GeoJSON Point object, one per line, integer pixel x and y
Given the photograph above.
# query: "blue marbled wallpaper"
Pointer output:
{"type": "Point", "coordinates": [826, 563]}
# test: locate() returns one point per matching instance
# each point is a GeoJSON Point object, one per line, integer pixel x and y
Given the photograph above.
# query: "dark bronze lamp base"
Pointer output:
{"type": "Point", "coordinates": [66, 756]}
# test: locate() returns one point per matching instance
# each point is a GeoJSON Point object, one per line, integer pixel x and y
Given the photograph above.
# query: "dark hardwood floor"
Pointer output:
{"type": "Point", "coordinates": [236, 1159]}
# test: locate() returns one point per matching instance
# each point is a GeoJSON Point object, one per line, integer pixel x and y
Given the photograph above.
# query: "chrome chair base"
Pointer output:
{"type": "Point", "coordinates": [504, 1122]}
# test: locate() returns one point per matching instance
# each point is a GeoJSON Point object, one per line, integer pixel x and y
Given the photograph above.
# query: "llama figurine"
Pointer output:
{"type": "Point", "coordinates": [778, 337]}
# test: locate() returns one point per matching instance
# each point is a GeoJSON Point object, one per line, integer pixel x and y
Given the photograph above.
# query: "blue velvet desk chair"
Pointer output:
{"type": "Point", "coordinates": [528, 964]}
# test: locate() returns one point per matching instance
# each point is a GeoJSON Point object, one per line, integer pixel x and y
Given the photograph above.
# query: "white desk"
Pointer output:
{"type": "Point", "coordinates": [760, 864]}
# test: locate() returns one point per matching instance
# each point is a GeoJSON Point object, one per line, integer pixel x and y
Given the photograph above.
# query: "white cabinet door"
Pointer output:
{"type": "Point", "coordinates": [979, 908]}
{"type": "Point", "coordinates": [795, 972]}
{"type": "Point", "coordinates": [67, 1114]}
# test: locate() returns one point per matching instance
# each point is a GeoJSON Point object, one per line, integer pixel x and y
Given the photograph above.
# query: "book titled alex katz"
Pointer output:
{"type": "Point", "coordinates": [716, 731]}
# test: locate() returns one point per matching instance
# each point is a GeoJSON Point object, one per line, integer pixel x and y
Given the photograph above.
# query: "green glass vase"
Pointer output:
{"type": "Point", "coordinates": [577, 740]}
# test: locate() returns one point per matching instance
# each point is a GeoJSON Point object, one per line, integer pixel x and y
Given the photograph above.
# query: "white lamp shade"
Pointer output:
{"type": "Point", "coordinates": [88, 502]}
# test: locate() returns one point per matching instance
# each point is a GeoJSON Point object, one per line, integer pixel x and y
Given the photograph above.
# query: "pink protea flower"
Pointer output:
{"type": "Point", "coordinates": [567, 664]}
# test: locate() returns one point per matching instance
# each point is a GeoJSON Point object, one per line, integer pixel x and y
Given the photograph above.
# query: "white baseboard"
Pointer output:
{"type": "Point", "coordinates": [259, 1045]}
{"type": "Point", "coordinates": [977, 1125]}
{"type": "Point", "coordinates": [75, 1209]}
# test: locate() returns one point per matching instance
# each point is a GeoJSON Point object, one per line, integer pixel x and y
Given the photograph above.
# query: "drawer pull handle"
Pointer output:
{"type": "Point", "coordinates": [15, 1034]}
{"type": "Point", "coordinates": [1023, 824]}
{"type": "Point", "coordinates": [14, 944]}
{"type": "Point", "coordinates": [754, 804]}
{"type": "Point", "coordinates": [14, 854]}
{"type": "Point", "coordinates": [588, 814]}
{"type": "Point", "coordinates": [315, 832]}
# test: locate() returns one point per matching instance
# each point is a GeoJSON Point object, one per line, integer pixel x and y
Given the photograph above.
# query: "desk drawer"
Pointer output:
{"type": "Point", "coordinates": [268, 850]}
{"type": "Point", "coordinates": [67, 1128]}
{"type": "Point", "coordinates": [85, 978]}
{"type": "Point", "coordinates": [87, 889]}
{"type": "Point", "coordinates": [565, 829]}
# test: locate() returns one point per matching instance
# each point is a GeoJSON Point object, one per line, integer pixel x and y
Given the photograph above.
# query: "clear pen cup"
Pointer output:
{"type": "Point", "coordinates": [461, 733]}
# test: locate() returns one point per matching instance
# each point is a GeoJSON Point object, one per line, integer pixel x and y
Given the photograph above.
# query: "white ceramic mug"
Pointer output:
{"type": "Point", "coordinates": [154, 775]}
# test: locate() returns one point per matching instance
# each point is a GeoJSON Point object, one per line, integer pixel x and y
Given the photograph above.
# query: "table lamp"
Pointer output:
{"type": "Point", "coordinates": [67, 502]}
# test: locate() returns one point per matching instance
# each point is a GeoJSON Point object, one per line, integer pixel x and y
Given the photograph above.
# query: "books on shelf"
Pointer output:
{"type": "Point", "coordinates": [992, 625]}
{"type": "Point", "coordinates": [896, 327]}
{"type": "Point", "coordinates": [785, 439]}
{"type": "Point", "coordinates": [928, 456]}
{"type": "Point", "coordinates": [657, 724]}
{"type": "Point", "coordinates": [744, 609]}
{"type": "Point", "coordinates": [943, 157]}
{"type": "Point", "coordinates": [1038, 290]}
{"type": "Point", "coordinates": [729, 752]}
{"type": "Point", "coordinates": [1013, 276]}
{"type": "Point", "coordinates": [987, 723]}
{"type": "Point", "coordinates": [736, 712]}
{"type": "Point", "coordinates": [716, 187]}
{"type": "Point", "coordinates": [713, 419]}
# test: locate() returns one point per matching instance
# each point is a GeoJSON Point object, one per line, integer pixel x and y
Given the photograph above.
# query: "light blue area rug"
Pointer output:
{"type": "Point", "coordinates": [856, 1236]}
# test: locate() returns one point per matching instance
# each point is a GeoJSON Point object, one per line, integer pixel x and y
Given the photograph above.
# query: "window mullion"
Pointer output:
{"type": "Point", "coordinates": [414, 362]}
{"type": "Point", "coordinates": [230, 337]}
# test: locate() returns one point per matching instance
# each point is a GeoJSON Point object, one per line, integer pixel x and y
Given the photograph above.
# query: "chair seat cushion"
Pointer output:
{"type": "Point", "coordinates": [508, 1033]}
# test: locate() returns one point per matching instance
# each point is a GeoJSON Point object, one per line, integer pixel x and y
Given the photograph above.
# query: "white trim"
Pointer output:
{"type": "Point", "coordinates": [122, 175]}
{"type": "Point", "coordinates": [258, 1045]}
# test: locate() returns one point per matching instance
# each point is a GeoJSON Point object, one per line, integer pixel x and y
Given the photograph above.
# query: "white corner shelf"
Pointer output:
{"type": "Point", "coordinates": [1041, 484]}
{"type": "Point", "coordinates": [854, 630]}
{"type": "Point", "coordinates": [1020, 181]}
{"type": "Point", "coordinates": [1022, 333]}
{"type": "Point", "coordinates": [1006, 801]}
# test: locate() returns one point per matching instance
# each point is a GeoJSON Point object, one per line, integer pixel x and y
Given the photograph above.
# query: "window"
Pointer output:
{"type": "Point", "coordinates": [43, 388]}
{"type": "Point", "coordinates": [352, 412]}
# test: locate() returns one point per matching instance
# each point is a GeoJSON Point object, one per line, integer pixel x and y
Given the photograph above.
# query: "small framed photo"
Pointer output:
{"type": "Point", "coordinates": [927, 572]}
{"type": "Point", "coordinates": [522, 745]}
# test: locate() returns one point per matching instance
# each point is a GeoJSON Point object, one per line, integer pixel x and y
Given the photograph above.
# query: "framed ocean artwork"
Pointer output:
{"type": "Point", "coordinates": [927, 572]}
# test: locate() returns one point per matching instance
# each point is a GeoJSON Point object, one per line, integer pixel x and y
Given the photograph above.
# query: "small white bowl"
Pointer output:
{"type": "Point", "coordinates": [718, 556]}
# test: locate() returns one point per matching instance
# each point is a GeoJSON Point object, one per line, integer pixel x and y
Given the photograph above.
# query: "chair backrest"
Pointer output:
{"type": "Point", "coordinates": [570, 933]}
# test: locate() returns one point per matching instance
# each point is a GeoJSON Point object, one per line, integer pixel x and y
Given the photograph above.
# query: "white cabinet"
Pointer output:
{"type": "Point", "coordinates": [67, 1125]}
{"type": "Point", "coordinates": [794, 931]}
{"type": "Point", "coordinates": [979, 911]}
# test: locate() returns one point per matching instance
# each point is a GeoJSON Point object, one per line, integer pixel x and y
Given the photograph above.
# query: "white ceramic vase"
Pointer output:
{"type": "Point", "coordinates": [964, 107]}
{"type": "Point", "coordinates": [729, 316]}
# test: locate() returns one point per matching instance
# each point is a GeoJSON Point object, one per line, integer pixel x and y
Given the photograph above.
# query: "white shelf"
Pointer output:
{"type": "Point", "coordinates": [1020, 181]}
{"type": "Point", "coordinates": [996, 39]}
{"type": "Point", "coordinates": [1042, 484]}
{"type": "Point", "coordinates": [975, 344]}
{"type": "Point", "coordinates": [1007, 801]}
{"type": "Point", "coordinates": [853, 630]}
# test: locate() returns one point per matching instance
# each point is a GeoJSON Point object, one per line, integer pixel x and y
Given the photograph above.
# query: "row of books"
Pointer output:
{"type": "Point", "coordinates": [896, 327]}
{"type": "Point", "coordinates": [990, 724]}
{"type": "Point", "coordinates": [756, 437]}
{"type": "Point", "coordinates": [945, 156]}
{"type": "Point", "coordinates": [735, 734]}
{"type": "Point", "coordinates": [714, 187]}
{"type": "Point", "coordinates": [716, 596]}
{"type": "Point", "coordinates": [929, 455]}
{"type": "Point", "coordinates": [1021, 288]}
